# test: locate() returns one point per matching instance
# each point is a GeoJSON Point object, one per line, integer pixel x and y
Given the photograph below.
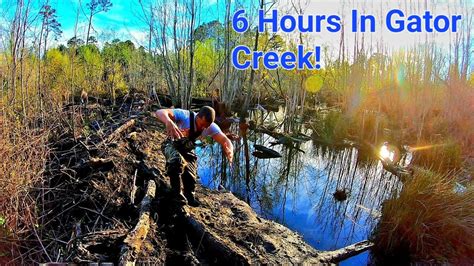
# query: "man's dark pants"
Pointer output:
{"type": "Point", "coordinates": [181, 165]}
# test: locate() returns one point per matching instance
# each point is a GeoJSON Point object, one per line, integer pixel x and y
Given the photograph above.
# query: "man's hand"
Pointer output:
{"type": "Point", "coordinates": [173, 131]}
{"type": "Point", "coordinates": [229, 153]}
{"type": "Point", "coordinates": [226, 144]}
{"type": "Point", "coordinates": [166, 117]}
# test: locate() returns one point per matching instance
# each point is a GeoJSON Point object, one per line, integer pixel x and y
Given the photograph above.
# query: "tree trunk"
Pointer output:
{"type": "Point", "coordinates": [89, 27]}
{"type": "Point", "coordinates": [187, 104]}
{"type": "Point", "coordinates": [245, 106]}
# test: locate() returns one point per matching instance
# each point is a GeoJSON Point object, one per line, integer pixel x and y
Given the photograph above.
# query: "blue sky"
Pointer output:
{"type": "Point", "coordinates": [121, 21]}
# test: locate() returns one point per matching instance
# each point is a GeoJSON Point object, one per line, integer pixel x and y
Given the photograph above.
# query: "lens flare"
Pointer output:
{"type": "Point", "coordinates": [426, 147]}
{"type": "Point", "coordinates": [387, 154]}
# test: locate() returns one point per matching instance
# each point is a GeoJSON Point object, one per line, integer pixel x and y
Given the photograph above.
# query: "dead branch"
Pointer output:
{"type": "Point", "coordinates": [134, 240]}
{"type": "Point", "coordinates": [346, 252]}
{"type": "Point", "coordinates": [119, 131]}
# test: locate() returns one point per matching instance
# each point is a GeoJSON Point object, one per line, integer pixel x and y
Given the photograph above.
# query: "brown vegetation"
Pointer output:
{"type": "Point", "coordinates": [422, 97]}
{"type": "Point", "coordinates": [23, 154]}
{"type": "Point", "coordinates": [429, 221]}
{"type": "Point", "coordinates": [104, 198]}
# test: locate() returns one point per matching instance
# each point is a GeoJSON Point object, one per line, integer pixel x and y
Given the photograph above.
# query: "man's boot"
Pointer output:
{"type": "Point", "coordinates": [175, 183]}
{"type": "Point", "coordinates": [189, 179]}
{"type": "Point", "coordinates": [175, 165]}
{"type": "Point", "coordinates": [191, 198]}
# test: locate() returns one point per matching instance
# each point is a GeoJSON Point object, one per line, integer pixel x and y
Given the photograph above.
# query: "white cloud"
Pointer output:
{"type": "Point", "coordinates": [379, 9]}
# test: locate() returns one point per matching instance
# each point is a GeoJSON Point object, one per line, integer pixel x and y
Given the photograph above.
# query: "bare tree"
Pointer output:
{"type": "Point", "coordinates": [18, 28]}
{"type": "Point", "coordinates": [187, 95]}
{"type": "Point", "coordinates": [95, 7]}
{"type": "Point", "coordinates": [174, 26]}
{"type": "Point", "coordinates": [49, 24]}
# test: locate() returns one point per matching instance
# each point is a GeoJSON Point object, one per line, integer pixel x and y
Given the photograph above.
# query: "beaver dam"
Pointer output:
{"type": "Point", "coordinates": [105, 198]}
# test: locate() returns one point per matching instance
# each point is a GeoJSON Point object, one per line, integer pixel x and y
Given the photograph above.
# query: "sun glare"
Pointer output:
{"type": "Point", "coordinates": [426, 147]}
{"type": "Point", "coordinates": [386, 154]}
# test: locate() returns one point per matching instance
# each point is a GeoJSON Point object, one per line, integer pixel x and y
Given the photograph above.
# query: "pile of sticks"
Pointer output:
{"type": "Point", "coordinates": [95, 200]}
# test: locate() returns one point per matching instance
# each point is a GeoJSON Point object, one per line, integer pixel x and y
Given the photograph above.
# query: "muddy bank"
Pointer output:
{"type": "Point", "coordinates": [105, 198]}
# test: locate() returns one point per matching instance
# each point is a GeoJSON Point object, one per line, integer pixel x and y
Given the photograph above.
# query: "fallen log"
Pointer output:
{"type": "Point", "coordinates": [266, 155]}
{"type": "Point", "coordinates": [134, 240]}
{"type": "Point", "coordinates": [264, 152]}
{"type": "Point", "coordinates": [119, 131]}
{"type": "Point", "coordinates": [215, 245]}
{"type": "Point", "coordinates": [346, 252]}
{"type": "Point", "coordinates": [228, 231]}
{"type": "Point", "coordinates": [100, 243]}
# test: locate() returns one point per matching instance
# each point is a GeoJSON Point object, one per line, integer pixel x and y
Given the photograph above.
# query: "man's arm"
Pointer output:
{"type": "Point", "coordinates": [166, 116]}
{"type": "Point", "coordinates": [226, 144]}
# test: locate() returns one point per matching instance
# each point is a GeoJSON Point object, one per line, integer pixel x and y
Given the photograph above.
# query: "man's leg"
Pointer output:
{"type": "Point", "coordinates": [189, 178]}
{"type": "Point", "coordinates": [175, 165]}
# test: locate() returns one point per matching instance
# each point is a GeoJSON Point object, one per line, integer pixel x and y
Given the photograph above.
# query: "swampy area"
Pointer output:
{"type": "Point", "coordinates": [287, 198]}
{"type": "Point", "coordinates": [366, 159]}
{"type": "Point", "coordinates": [106, 199]}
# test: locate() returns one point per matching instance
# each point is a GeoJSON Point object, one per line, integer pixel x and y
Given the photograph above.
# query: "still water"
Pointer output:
{"type": "Point", "coordinates": [297, 190]}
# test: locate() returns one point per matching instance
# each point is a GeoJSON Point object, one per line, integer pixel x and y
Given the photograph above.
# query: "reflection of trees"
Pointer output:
{"type": "Point", "coordinates": [289, 171]}
{"type": "Point", "coordinates": [307, 182]}
{"type": "Point", "coordinates": [367, 184]}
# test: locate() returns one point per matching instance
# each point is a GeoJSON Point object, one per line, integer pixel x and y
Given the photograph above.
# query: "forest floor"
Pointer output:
{"type": "Point", "coordinates": [105, 197]}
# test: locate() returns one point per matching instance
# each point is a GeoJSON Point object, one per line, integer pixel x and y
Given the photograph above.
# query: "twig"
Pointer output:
{"type": "Point", "coordinates": [41, 243]}
{"type": "Point", "coordinates": [134, 188]}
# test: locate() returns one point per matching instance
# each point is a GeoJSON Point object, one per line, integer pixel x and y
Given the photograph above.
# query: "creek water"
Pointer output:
{"type": "Point", "coordinates": [297, 190]}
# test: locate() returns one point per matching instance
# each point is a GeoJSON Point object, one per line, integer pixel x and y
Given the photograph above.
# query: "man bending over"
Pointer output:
{"type": "Point", "coordinates": [183, 127]}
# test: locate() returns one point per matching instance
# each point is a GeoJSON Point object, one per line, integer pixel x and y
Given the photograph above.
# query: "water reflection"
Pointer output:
{"type": "Point", "coordinates": [297, 190]}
